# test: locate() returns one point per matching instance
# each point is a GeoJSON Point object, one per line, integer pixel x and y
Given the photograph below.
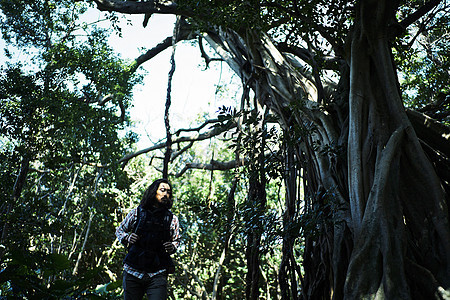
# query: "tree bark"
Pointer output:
{"type": "Point", "coordinates": [370, 227]}
{"type": "Point", "coordinates": [386, 171]}
{"type": "Point", "coordinates": [383, 155]}
{"type": "Point", "coordinates": [80, 254]}
{"type": "Point", "coordinates": [257, 201]}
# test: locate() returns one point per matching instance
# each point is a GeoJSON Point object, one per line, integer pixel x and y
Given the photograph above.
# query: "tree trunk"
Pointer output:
{"type": "Point", "coordinates": [394, 190]}
{"type": "Point", "coordinates": [254, 231]}
{"type": "Point", "coordinates": [80, 255]}
{"type": "Point", "coordinates": [393, 214]}
{"type": "Point", "coordinates": [257, 200]}
{"type": "Point", "coordinates": [288, 266]}
{"type": "Point", "coordinates": [17, 191]}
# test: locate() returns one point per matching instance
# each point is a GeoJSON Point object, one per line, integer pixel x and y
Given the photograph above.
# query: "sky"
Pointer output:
{"type": "Point", "coordinates": [193, 86]}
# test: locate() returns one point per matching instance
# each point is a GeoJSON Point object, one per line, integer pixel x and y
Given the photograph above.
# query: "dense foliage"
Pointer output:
{"type": "Point", "coordinates": [61, 139]}
{"type": "Point", "coordinates": [64, 114]}
{"type": "Point", "coordinates": [314, 186]}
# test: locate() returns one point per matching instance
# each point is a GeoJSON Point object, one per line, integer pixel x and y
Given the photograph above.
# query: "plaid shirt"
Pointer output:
{"type": "Point", "coordinates": [127, 226]}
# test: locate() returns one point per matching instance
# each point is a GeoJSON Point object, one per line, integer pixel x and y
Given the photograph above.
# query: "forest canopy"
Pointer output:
{"type": "Point", "coordinates": [328, 180]}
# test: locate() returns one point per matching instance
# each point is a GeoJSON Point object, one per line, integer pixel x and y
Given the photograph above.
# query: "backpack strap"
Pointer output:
{"type": "Point", "coordinates": [139, 212]}
{"type": "Point", "coordinates": [166, 223]}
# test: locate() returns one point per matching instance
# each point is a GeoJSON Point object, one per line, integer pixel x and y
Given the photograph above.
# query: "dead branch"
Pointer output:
{"type": "Point", "coordinates": [177, 140]}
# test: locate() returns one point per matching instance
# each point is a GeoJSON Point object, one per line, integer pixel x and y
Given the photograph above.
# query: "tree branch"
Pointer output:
{"type": "Point", "coordinates": [400, 27]}
{"type": "Point", "coordinates": [151, 53]}
{"type": "Point", "coordinates": [434, 133]}
{"type": "Point", "coordinates": [17, 191]}
{"type": "Point", "coordinates": [184, 32]}
{"type": "Point", "coordinates": [322, 30]}
{"type": "Point", "coordinates": [141, 7]}
{"type": "Point", "coordinates": [181, 151]}
{"type": "Point", "coordinates": [213, 166]}
{"type": "Point", "coordinates": [167, 154]}
{"type": "Point", "coordinates": [197, 137]}
{"type": "Point", "coordinates": [104, 99]}
{"type": "Point", "coordinates": [189, 287]}
{"type": "Point", "coordinates": [426, 8]}
{"type": "Point", "coordinates": [80, 255]}
{"type": "Point", "coordinates": [329, 62]}
{"type": "Point", "coordinates": [204, 55]}
{"type": "Point", "coordinates": [210, 121]}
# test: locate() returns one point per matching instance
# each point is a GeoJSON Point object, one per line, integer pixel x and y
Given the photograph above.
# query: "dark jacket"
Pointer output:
{"type": "Point", "coordinates": [153, 228]}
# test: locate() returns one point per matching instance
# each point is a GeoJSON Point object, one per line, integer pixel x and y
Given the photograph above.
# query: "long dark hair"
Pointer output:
{"type": "Point", "coordinates": [148, 199]}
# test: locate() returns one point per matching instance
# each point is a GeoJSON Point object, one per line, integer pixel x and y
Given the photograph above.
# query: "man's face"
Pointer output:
{"type": "Point", "coordinates": [163, 194]}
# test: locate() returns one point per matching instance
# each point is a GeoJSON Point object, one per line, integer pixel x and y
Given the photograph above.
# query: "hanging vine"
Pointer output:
{"type": "Point", "coordinates": [168, 152]}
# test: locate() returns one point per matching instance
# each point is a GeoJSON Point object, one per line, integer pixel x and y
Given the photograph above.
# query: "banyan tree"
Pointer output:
{"type": "Point", "coordinates": [362, 144]}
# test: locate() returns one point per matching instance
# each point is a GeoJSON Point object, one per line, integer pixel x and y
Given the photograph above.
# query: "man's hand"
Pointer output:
{"type": "Point", "coordinates": [132, 238]}
{"type": "Point", "coordinates": [169, 247]}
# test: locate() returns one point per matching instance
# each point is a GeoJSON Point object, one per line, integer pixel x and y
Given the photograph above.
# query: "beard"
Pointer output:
{"type": "Point", "coordinates": [166, 202]}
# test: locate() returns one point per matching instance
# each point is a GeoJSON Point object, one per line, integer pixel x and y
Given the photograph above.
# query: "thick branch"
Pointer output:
{"type": "Point", "coordinates": [183, 32]}
{"type": "Point", "coordinates": [380, 232]}
{"type": "Point", "coordinates": [151, 53]}
{"type": "Point", "coordinates": [141, 7]}
{"type": "Point", "coordinates": [329, 62]}
{"type": "Point", "coordinates": [437, 108]}
{"type": "Point", "coordinates": [431, 131]}
{"type": "Point", "coordinates": [426, 8]}
{"type": "Point", "coordinates": [399, 28]}
{"type": "Point", "coordinates": [166, 112]}
{"type": "Point", "coordinates": [214, 165]}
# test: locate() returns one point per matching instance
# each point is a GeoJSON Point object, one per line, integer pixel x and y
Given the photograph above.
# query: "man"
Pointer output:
{"type": "Point", "coordinates": [151, 233]}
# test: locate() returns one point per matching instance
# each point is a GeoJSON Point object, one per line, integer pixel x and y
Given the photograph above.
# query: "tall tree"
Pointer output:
{"type": "Point", "coordinates": [61, 112]}
{"type": "Point", "coordinates": [376, 171]}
